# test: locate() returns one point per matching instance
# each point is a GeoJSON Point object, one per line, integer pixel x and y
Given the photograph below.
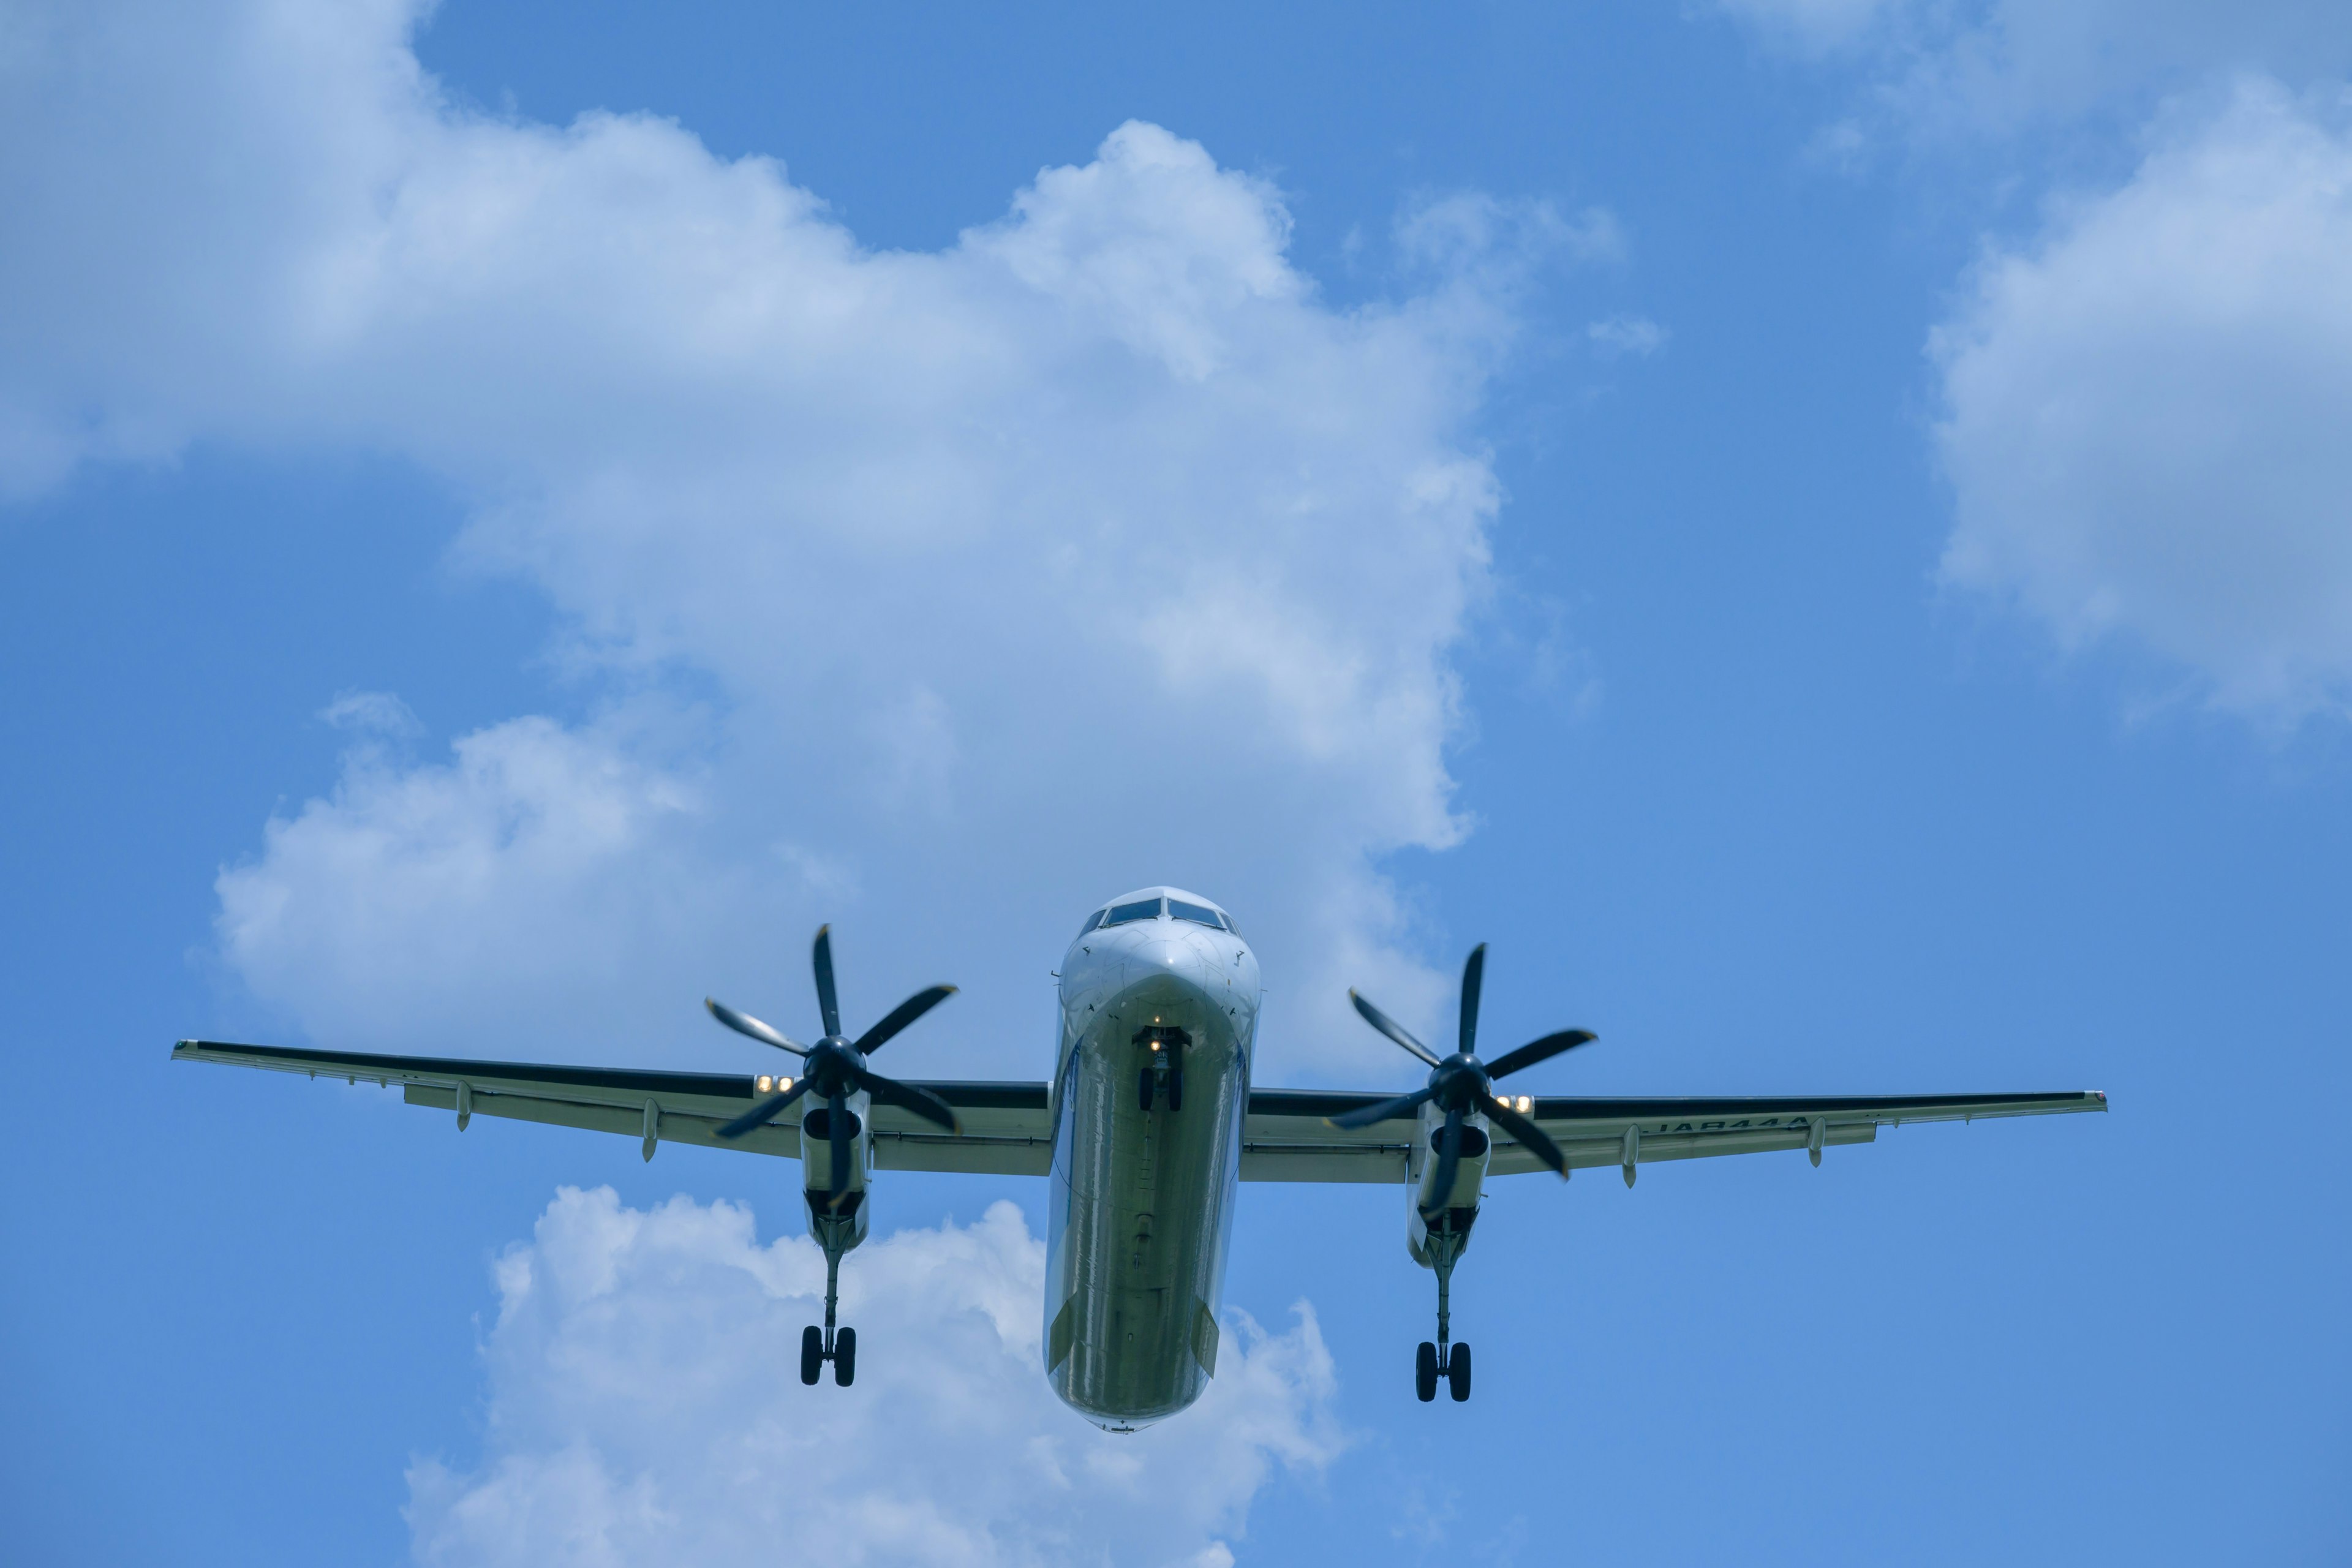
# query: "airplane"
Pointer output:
{"type": "Point", "coordinates": [1149, 1125]}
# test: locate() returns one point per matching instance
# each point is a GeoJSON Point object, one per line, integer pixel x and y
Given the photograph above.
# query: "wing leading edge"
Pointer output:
{"type": "Point", "coordinates": [1005, 1131]}
{"type": "Point", "coordinates": [1290, 1139]}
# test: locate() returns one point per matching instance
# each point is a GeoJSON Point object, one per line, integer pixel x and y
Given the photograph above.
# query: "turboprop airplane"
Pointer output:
{"type": "Point", "coordinates": [1149, 1124]}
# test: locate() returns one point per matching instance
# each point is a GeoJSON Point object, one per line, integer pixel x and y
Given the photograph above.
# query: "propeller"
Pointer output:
{"type": "Point", "coordinates": [1461, 1083]}
{"type": "Point", "coordinates": [835, 1067]}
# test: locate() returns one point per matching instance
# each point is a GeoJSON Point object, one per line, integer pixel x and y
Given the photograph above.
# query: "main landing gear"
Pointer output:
{"type": "Point", "coordinates": [838, 1346]}
{"type": "Point", "coordinates": [1450, 1361]}
{"type": "Point", "coordinates": [1428, 1367]}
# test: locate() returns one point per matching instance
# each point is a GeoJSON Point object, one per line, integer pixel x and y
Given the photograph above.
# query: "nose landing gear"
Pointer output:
{"type": "Point", "coordinates": [1163, 1075]}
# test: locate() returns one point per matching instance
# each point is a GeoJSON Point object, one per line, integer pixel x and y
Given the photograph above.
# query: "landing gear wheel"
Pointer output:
{"type": "Point", "coordinates": [1175, 1089]}
{"type": "Point", "coordinates": [1457, 1371]}
{"type": "Point", "coordinates": [1425, 1371]}
{"type": "Point", "coordinates": [845, 1362]}
{"type": "Point", "coordinates": [811, 1354]}
{"type": "Point", "coordinates": [1143, 1091]}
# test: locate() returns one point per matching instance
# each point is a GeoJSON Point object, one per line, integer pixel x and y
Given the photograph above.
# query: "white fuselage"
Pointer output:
{"type": "Point", "coordinates": [1159, 1018]}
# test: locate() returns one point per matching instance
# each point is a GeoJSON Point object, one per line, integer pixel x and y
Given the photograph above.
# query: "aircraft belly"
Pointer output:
{"type": "Point", "coordinates": [1142, 1204]}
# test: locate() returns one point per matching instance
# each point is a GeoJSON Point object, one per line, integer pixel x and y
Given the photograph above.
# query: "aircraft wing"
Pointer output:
{"type": "Point", "coordinates": [1288, 1138]}
{"type": "Point", "coordinates": [1005, 1131]}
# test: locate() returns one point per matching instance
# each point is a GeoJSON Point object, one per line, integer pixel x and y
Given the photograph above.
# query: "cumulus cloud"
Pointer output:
{"type": "Point", "coordinates": [1093, 550]}
{"type": "Point", "coordinates": [2145, 409]}
{"type": "Point", "coordinates": [644, 1405]}
{"type": "Point", "coordinates": [1939, 69]}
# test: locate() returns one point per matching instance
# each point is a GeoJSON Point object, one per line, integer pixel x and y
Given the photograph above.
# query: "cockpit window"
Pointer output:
{"type": "Point", "coordinates": [1141, 909]}
{"type": "Point", "coordinates": [1092, 920]}
{"type": "Point", "coordinates": [1231, 927]}
{"type": "Point", "coordinates": [1198, 913]}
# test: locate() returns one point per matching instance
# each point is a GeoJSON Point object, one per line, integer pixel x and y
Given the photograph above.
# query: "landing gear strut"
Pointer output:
{"type": "Point", "coordinates": [1442, 1359]}
{"type": "Point", "coordinates": [838, 1346]}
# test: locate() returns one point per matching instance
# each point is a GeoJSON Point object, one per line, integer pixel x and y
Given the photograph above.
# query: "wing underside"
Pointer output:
{"type": "Point", "coordinates": [1007, 1127]}
{"type": "Point", "coordinates": [1006, 1132]}
{"type": "Point", "coordinates": [1289, 1138]}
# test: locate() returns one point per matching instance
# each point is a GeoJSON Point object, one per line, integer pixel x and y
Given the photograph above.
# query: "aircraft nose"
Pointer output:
{"type": "Point", "coordinates": [1171, 965]}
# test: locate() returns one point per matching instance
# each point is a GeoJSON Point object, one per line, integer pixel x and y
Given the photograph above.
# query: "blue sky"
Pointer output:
{"type": "Point", "coordinates": [1815, 527]}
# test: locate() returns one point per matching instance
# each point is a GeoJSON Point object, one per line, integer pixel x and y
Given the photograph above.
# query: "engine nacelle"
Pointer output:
{"type": "Point", "coordinates": [853, 1217]}
{"type": "Point", "coordinates": [1454, 1211]}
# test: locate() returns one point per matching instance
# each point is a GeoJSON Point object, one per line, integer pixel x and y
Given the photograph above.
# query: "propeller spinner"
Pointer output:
{"type": "Point", "coordinates": [834, 1067]}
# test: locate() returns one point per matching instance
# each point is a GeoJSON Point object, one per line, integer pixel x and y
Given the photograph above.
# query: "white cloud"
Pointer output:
{"type": "Point", "coordinates": [1939, 69]}
{"type": "Point", "coordinates": [1813, 26]}
{"type": "Point", "coordinates": [1093, 550]}
{"type": "Point", "coordinates": [1616, 336]}
{"type": "Point", "coordinates": [2146, 409]}
{"type": "Point", "coordinates": [646, 1407]}
{"type": "Point", "coordinates": [373, 713]}
{"type": "Point", "coordinates": [528, 883]}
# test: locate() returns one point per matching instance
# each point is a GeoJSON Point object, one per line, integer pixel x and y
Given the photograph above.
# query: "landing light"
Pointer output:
{"type": "Point", "coordinates": [1526, 1105]}
{"type": "Point", "coordinates": [763, 1084]}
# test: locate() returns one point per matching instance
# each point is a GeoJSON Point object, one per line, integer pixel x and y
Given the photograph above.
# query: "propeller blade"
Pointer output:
{"type": "Point", "coordinates": [1529, 1134]}
{"type": "Point", "coordinates": [1391, 1028]}
{"type": "Point", "coordinates": [898, 1017]}
{"type": "Point", "coordinates": [744, 1024]}
{"type": "Point", "coordinates": [907, 1097]}
{"type": "Point", "coordinates": [764, 1112]}
{"type": "Point", "coordinates": [837, 1127]}
{"type": "Point", "coordinates": [1473, 975]}
{"type": "Point", "coordinates": [1364, 1117]}
{"type": "Point", "coordinates": [1449, 1158]}
{"type": "Point", "coordinates": [1536, 1051]}
{"type": "Point", "coordinates": [827, 1005]}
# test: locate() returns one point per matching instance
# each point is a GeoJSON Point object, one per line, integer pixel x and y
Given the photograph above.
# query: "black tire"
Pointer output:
{"type": "Point", "coordinates": [1458, 1372]}
{"type": "Point", "coordinates": [1425, 1371]}
{"type": "Point", "coordinates": [844, 1359]}
{"type": "Point", "coordinates": [1143, 1091]}
{"type": "Point", "coordinates": [1175, 1089]}
{"type": "Point", "coordinates": [811, 1354]}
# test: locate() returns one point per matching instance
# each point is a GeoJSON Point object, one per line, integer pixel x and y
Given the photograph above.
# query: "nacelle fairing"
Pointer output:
{"type": "Point", "coordinates": [1457, 1210]}
{"type": "Point", "coordinates": [851, 1217]}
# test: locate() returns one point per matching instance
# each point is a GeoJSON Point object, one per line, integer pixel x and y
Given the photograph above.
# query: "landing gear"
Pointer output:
{"type": "Point", "coordinates": [1425, 1371]}
{"type": "Point", "coordinates": [838, 1346]}
{"type": "Point", "coordinates": [1443, 1358]}
{"type": "Point", "coordinates": [1453, 1365]}
{"type": "Point", "coordinates": [1149, 1081]}
{"type": "Point", "coordinates": [844, 1363]}
{"type": "Point", "coordinates": [1162, 1073]}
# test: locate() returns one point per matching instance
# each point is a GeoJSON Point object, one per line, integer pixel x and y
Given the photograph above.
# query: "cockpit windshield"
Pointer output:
{"type": "Point", "coordinates": [1141, 909]}
{"type": "Point", "coordinates": [1092, 921]}
{"type": "Point", "coordinates": [1198, 913]}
